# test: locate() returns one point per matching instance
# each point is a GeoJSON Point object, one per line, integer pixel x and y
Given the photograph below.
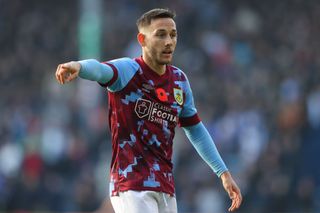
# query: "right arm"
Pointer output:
{"type": "Point", "coordinates": [114, 74]}
{"type": "Point", "coordinates": [87, 69]}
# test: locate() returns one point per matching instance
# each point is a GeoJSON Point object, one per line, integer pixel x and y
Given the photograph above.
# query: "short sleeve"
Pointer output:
{"type": "Point", "coordinates": [124, 69]}
{"type": "Point", "coordinates": [188, 115]}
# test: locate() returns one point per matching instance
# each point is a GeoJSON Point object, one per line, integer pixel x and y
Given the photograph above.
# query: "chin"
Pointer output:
{"type": "Point", "coordinates": [168, 61]}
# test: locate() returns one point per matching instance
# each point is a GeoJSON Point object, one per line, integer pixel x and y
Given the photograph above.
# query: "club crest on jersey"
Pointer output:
{"type": "Point", "coordinates": [178, 95]}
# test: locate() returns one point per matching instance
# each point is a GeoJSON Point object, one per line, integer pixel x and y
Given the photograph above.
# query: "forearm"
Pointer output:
{"type": "Point", "coordinates": [203, 143]}
{"type": "Point", "coordinates": [95, 71]}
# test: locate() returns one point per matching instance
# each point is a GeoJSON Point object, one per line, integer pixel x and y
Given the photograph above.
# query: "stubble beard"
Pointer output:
{"type": "Point", "coordinates": [157, 58]}
{"type": "Point", "coordinates": [164, 61]}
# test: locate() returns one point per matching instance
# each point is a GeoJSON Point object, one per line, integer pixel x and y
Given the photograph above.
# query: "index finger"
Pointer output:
{"type": "Point", "coordinates": [61, 73]}
{"type": "Point", "coordinates": [236, 202]}
{"type": "Point", "coordinates": [239, 200]}
{"type": "Point", "coordinates": [57, 73]}
{"type": "Point", "coordinates": [232, 207]}
{"type": "Point", "coordinates": [238, 196]}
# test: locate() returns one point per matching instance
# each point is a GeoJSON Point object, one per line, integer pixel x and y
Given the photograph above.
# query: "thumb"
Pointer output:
{"type": "Point", "coordinates": [72, 76]}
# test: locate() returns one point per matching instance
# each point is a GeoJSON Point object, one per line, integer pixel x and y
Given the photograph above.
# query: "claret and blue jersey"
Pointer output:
{"type": "Point", "coordinates": [144, 109]}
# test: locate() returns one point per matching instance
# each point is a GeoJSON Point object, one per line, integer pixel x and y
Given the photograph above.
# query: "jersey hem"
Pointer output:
{"type": "Point", "coordinates": [124, 189]}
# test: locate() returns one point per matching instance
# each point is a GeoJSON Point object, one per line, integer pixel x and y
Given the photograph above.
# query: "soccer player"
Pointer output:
{"type": "Point", "coordinates": [148, 98]}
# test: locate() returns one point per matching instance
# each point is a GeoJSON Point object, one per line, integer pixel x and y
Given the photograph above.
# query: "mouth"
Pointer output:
{"type": "Point", "coordinates": [167, 52]}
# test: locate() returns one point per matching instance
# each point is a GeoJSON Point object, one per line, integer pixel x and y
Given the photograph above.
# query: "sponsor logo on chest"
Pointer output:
{"type": "Point", "coordinates": [154, 111]}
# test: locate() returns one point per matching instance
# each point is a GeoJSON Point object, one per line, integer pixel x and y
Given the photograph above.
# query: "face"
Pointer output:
{"type": "Point", "coordinates": [160, 39]}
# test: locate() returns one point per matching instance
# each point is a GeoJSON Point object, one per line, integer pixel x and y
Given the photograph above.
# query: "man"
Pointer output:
{"type": "Point", "coordinates": [147, 99]}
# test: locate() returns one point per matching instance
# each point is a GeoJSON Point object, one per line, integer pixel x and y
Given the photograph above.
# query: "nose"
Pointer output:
{"type": "Point", "coordinates": [168, 41]}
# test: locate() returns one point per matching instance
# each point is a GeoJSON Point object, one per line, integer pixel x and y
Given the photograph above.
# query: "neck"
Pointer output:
{"type": "Point", "coordinates": [160, 69]}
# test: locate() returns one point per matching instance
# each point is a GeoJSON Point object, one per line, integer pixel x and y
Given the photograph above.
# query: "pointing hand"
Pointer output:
{"type": "Point", "coordinates": [67, 72]}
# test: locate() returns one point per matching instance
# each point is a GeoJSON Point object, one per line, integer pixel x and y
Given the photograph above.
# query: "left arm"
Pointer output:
{"type": "Point", "coordinates": [203, 143]}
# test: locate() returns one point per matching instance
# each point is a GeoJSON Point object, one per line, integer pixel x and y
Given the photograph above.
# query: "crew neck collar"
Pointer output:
{"type": "Point", "coordinates": [150, 71]}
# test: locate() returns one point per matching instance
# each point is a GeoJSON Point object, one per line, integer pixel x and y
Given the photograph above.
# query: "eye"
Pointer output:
{"type": "Point", "coordinates": [161, 35]}
{"type": "Point", "coordinates": [173, 35]}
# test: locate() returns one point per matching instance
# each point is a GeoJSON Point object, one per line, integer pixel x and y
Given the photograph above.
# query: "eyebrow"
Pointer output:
{"type": "Point", "coordinates": [163, 30]}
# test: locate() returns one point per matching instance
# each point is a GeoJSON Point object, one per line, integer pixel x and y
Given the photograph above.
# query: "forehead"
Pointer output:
{"type": "Point", "coordinates": [162, 24]}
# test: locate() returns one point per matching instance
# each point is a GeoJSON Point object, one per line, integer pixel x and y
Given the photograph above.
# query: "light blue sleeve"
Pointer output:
{"type": "Point", "coordinates": [203, 143]}
{"type": "Point", "coordinates": [114, 74]}
{"type": "Point", "coordinates": [126, 69]}
{"type": "Point", "coordinates": [93, 70]}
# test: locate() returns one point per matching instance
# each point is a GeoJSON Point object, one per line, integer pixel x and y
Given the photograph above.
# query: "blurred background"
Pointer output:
{"type": "Point", "coordinates": [254, 67]}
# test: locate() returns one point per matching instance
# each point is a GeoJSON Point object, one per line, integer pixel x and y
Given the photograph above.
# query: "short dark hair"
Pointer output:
{"type": "Point", "coordinates": [147, 17]}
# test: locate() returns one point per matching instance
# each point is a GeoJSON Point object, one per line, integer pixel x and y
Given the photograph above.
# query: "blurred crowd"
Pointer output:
{"type": "Point", "coordinates": [254, 68]}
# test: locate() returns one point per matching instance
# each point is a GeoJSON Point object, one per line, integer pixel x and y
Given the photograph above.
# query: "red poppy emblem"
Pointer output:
{"type": "Point", "coordinates": [161, 94]}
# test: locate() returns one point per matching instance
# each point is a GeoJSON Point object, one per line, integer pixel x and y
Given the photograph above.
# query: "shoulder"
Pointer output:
{"type": "Point", "coordinates": [124, 63]}
{"type": "Point", "coordinates": [124, 69]}
{"type": "Point", "coordinates": [178, 73]}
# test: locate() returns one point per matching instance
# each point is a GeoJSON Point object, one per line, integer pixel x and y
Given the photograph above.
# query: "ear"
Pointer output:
{"type": "Point", "coordinates": [141, 39]}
